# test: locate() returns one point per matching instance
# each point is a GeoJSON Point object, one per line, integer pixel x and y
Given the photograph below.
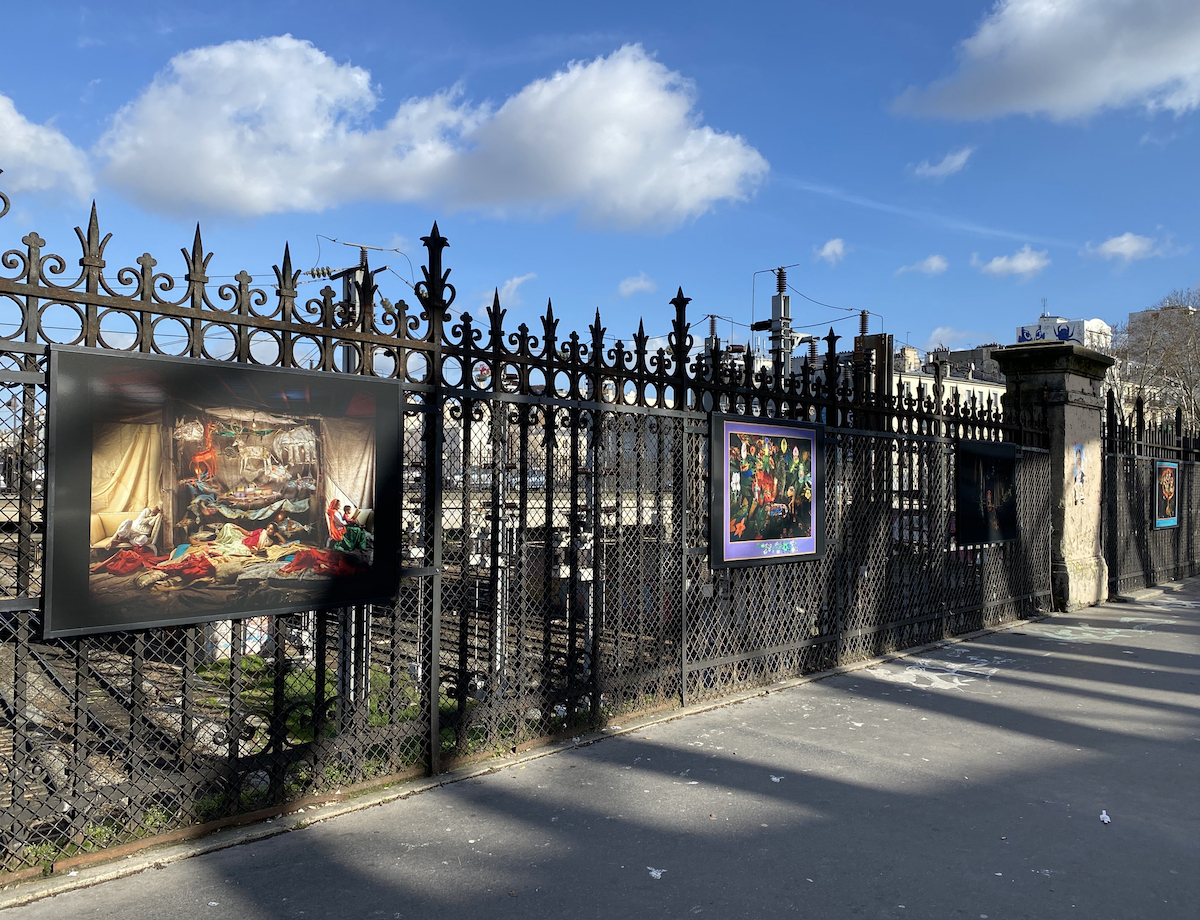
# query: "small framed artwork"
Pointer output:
{"type": "Point", "coordinates": [986, 493]}
{"type": "Point", "coordinates": [1166, 494]}
{"type": "Point", "coordinates": [768, 491]}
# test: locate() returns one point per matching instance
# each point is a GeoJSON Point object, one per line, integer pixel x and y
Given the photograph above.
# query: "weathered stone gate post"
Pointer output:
{"type": "Point", "coordinates": [1068, 378]}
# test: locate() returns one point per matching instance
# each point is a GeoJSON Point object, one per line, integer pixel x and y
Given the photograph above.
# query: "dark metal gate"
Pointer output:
{"type": "Point", "coordinates": [1138, 554]}
{"type": "Point", "coordinates": [555, 575]}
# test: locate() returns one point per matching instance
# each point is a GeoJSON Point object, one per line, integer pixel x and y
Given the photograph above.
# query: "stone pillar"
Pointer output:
{"type": "Point", "coordinates": [1068, 378]}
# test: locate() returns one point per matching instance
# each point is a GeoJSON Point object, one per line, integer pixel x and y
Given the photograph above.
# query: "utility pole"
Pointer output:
{"type": "Point", "coordinates": [782, 338]}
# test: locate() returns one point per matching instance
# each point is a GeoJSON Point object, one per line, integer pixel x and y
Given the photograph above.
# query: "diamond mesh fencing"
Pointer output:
{"type": "Point", "coordinates": [562, 583]}
{"type": "Point", "coordinates": [110, 739]}
{"type": "Point", "coordinates": [22, 482]}
{"type": "Point", "coordinates": [642, 555]}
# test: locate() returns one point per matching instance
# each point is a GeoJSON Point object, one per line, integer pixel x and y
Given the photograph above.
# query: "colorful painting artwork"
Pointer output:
{"type": "Point", "coordinates": [987, 493]}
{"type": "Point", "coordinates": [1166, 494]}
{"type": "Point", "coordinates": [185, 491]}
{"type": "Point", "coordinates": [768, 491]}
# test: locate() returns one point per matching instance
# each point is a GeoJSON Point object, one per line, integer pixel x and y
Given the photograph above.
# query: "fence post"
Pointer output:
{"type": "Point", "coordinates": [432, 294]}
{"type": "Point", "coordinates": [1112, 470]}
{"type": "Point", "coordinates": [680, 343]}
{"type": "Point", "coordinates": [1070, 377]}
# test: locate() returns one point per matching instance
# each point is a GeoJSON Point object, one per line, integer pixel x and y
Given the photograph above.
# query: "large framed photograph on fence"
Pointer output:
{"type": "Point", "coordinates": [987, 493]}
{"type": "Point", "coordinates": [184, 491]}
{"type": "Point", "coordinates": [768, 491]}
{"type": "Point", "coordinates": [1166, 494]}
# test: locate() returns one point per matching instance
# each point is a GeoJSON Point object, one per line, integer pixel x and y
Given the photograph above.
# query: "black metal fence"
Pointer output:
{"type": "Point", "coordinates": [1138, 553]}
{"type": "Point", "coordinates": [555, 494]}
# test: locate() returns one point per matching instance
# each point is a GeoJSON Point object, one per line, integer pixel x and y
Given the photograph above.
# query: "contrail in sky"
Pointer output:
{"type": "Point", "coordinates": [941, 220]}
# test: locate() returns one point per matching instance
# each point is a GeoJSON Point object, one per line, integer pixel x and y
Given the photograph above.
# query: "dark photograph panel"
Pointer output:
{"type": "Point", "coordinates": [987, 493]}
{"type": "Point", "coordinates": [1166, 494]}
{"type": "Point", "coordinates": [185, 491]}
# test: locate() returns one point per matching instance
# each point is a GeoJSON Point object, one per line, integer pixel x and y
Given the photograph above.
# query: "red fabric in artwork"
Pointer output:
{"type": "Point", "coordinates": [189, 565]}
{"type": "Point", "coordinates": [321, 561]}
{"type": "Point", "coordinates": [126, 561]}
{"type": "Point", "coordinates": [251, 540]}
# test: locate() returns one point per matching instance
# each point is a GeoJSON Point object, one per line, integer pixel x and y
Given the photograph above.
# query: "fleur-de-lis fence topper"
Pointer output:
{"type": "Point", "coordinates": [357, 331]}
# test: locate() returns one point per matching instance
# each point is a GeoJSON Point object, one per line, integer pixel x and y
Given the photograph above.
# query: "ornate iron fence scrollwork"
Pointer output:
{"type": "Point", "coordinates": [555, 509]}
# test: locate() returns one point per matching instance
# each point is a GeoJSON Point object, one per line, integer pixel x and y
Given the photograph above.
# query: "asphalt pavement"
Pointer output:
{"type": "Point", "coordinates": [963, 781]}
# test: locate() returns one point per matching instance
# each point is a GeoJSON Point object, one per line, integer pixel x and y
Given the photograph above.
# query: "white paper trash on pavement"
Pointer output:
{"type": "Point", "coordinates": [1104, 818]}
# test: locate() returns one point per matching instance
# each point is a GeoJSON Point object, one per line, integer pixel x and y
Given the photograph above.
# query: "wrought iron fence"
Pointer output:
{"type": "Point", "coordinates": [1140, 554]}
{"type": "Point", "coordinates": [555, 571]}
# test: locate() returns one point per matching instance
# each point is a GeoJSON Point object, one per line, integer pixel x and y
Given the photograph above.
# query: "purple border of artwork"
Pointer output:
{"type": "Point", "coordinates": [767, 549]}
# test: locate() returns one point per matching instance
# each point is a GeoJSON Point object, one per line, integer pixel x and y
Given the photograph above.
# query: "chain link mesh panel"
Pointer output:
{"type": "Point", "coordinates": [642, 553]}
{"type": "Point", "coordinates": [891, 576]}
{"type": "Point", "coordinates": [1140, 555]}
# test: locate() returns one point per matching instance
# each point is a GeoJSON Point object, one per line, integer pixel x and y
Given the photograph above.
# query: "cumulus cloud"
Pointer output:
{"type": "Point", "coordinates": [509, 294]}
{"type": "Point", "coordinates": [832, 252]}
{"type": "Point", "coordinates": [932, 265]}
{"type": "Point", "coordinates": [273, 125]}
{"type": "Point", "coordinates": [634, 284]}
{"type": "Point", "coordinates": [1128, 247]}
{"type": "Point", "coordinates": [948, 337]}
{"type": "Point", "coordinates": [950, 164]}
{"type": "Point", "coordinates": [1070, 58]}
{"type": "Point", "coordinates": [39, 158]}
{"type": "Point", "coordinates": [1025, 263]}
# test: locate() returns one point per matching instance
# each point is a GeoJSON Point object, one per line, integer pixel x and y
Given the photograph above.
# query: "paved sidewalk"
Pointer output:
{"type": "Point", "coordinates": [963, 782]}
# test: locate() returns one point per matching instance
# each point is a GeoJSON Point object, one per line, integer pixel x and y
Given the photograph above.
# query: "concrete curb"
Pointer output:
{"type": "Point", "coordinates": [1139, 595]}
{"type": "Point", "coordinates": [19, 892]}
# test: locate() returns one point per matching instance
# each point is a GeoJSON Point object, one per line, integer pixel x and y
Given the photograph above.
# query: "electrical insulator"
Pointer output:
{"type": "Point", "coordinates": [319, 272]}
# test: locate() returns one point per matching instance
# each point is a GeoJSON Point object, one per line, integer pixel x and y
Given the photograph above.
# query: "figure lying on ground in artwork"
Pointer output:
{"type": "Point", "coordinates": [138, 531]}
{"type": "Point", "coordinates": [245, 527]}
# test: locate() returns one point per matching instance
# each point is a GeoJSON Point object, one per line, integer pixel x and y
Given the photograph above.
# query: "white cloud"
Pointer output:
{"type": "Point", "coordinates": [509, 295]}
{"type": "Point", "coordinates": [832, 252]}
{"type": "Point", "coordinates": [949, 164]}
{"type": "Point", "coordinates": [1128, 247]}
{"type": "Point", "coordinates": [273, 125]}
{"type": "Point", "coordinates": [39, 158]}
{"type": "Point", "coordinates": [1070, 58]}
{"type": "Point", "coordinates": [932, 265]}
{"type": "Point", "coordinates": [1025, 262]}
{"type": "Point", "coordinates": [637, 283]}
{"type": "Point", "coordinates": [949, 337]}
{"type": "Point", "coordinates": [654, 343]}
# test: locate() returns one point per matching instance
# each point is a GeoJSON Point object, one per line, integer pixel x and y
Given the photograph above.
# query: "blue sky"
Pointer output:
{"type": "Point", "coordinates": [946, 165]}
